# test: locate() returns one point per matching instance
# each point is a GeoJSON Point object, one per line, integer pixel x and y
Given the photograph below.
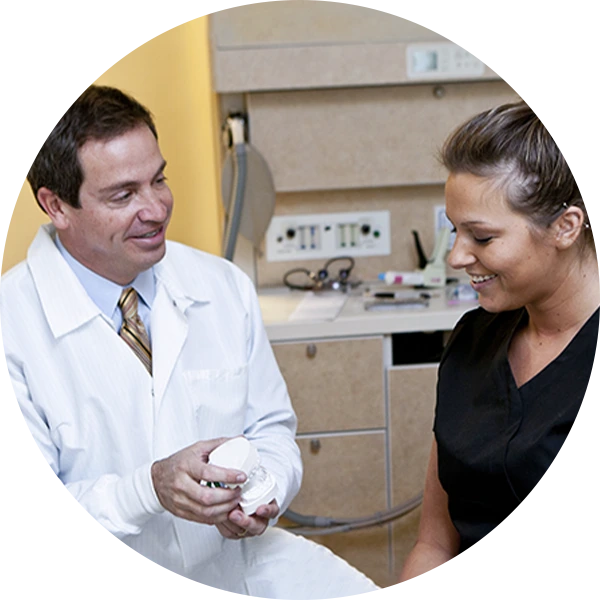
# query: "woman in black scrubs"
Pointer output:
{"type": "Point", "coordinates": [515, 371]}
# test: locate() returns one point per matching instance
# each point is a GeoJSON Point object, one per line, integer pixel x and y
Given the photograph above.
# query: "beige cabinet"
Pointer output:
{"type": "Point", "coordinates": [364, 435]}
{"type": "Point", "coordinates": [364, 137]}
{"type": "Point", "coordinates": [293, 45]}
{"type": "Point", "coordinates": [345, 476]}
{"type": "Point", "coordinates": [412, 403]}
{"type": "Point", "coordinates": [335, 386]}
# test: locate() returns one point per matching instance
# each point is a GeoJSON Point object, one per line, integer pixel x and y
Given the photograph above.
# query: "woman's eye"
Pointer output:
{"type": "Point", "coordinates": [482, 240]}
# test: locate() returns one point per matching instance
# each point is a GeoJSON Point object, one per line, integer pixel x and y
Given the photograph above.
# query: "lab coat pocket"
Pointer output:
{"type": "Point", "coordinates": [220, 400]}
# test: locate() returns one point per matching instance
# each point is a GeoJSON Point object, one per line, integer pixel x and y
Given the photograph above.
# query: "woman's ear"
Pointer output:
{"type": "Point", "coordinates": [54, 207]}
{"type": "Point", "coordinates": [568, 227]}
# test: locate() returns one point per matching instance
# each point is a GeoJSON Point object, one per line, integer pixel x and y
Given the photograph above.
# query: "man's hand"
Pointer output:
{"type": "Point", "coordinates": [239, 525]}
{"type": "Point", "coordinates": [177, 479]}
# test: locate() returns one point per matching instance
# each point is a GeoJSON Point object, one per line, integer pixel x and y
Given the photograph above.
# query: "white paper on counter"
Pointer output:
{"type": "Point", "coordinates": [320, 306]}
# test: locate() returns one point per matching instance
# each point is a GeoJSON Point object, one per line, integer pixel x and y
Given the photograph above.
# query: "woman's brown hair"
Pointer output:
{"type": "Point", "coordinates": [510, 145]}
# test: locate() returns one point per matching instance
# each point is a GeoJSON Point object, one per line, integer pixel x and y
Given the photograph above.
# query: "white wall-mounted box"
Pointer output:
{"type": "Point", "coordinates": [304, 237]}
{"type": "Point", "coordinates": [441, 61]}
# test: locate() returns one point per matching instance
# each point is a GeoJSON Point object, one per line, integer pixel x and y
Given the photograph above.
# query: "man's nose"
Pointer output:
{"type": "Point", "coordinates": [155, 206]}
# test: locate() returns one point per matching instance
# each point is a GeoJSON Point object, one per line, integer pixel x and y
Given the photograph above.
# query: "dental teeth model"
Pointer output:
{"type": "Point", "coordinates": [259, 487]}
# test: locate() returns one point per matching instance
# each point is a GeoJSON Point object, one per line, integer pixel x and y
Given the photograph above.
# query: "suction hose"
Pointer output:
{"type": "Point", "coordinates": [314, 525]}
{"type": "Point", "coordinates": [236, 201]}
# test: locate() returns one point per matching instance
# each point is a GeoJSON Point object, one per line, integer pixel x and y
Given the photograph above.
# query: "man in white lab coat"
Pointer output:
{"type": "Point", "coordinates": [126, 406]}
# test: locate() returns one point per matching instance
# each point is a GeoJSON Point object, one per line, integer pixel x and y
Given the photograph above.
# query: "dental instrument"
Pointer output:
{"type": "Point", "coordinates": [433, 275]}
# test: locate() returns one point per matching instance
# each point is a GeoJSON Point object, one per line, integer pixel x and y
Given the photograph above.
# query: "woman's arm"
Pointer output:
{"type": "Point", "coordinates": [438, 540]}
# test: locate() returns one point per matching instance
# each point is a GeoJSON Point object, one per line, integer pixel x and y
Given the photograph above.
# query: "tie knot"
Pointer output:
{"type": "Point", "coordinates": [128, 303]}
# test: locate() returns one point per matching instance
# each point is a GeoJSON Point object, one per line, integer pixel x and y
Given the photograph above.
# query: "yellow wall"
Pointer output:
{"type": "Point", "coordinates": [171, 76]}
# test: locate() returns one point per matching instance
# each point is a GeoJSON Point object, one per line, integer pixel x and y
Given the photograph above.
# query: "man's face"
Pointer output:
{"type": "Point", "coordinates": [119, 230]}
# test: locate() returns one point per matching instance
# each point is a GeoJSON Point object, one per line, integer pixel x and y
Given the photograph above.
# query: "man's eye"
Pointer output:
{"type": "Point", "coordinates": [122, 197]}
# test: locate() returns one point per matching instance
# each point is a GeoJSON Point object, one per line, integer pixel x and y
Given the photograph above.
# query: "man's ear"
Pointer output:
{"type": "Point", "coordinates": [568, 227]}
{"type": "Point", "coordinates": [55, 208]}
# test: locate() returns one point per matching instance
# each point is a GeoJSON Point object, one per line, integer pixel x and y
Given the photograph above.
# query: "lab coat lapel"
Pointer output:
{"type": "Point", "coordinates": [64, 301]}
{"type": "Point", "coordinates": [169, 326]}
{"type": "Point", "coordinates": [169, 332]}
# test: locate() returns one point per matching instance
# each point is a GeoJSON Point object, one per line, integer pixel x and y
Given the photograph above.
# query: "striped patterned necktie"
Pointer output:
{"type": "Point", "coordinates": [133, 331]}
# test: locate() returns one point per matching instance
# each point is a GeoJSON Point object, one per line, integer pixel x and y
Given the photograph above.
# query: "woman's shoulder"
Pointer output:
{"type": "Point", "coordinates": [482, 318]}
{"type": "Point", "coordinates": [480, 328]}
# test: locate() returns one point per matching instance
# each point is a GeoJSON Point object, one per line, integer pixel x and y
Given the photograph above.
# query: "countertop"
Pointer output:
{"type": "Point", "coordinates": [295, 315]}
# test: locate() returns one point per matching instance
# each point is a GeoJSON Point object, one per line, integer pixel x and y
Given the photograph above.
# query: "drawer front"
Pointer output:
{"type": "Point", "coordinates": [335, 385]}
{"type": "Point", "coordinates": [344, 476]}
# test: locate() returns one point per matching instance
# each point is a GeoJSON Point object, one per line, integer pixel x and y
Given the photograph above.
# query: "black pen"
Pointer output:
{"type": "Point", "coordinates": [399, 295]}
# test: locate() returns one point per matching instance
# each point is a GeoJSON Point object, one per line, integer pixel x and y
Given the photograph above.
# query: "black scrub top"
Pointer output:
{"type": "Point", "coordinates": [495, 441]}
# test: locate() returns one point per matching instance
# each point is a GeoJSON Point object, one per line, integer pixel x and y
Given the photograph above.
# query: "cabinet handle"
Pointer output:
{"type": "Point", "coordinates": [315, 446]}
{"type": "Point", "coordinates": [311, 350]}
{"type": "Point", "coordinates": [439, 91]}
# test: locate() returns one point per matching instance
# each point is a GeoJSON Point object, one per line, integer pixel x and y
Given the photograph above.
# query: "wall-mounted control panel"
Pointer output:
{"type": "Point", "coordinates": [440, 60]}
{"type": "Point", "coordinates": [304, 237]}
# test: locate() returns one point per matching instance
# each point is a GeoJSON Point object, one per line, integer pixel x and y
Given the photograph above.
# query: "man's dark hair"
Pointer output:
{"type": "Point", "coordinates": [100, 113]}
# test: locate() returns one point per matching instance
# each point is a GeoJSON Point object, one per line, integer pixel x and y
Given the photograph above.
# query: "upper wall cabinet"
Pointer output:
{"type": "Point", "coordinates": [301, 45]}
{"type": "Point", "coordinates": [341, 96]}
{"type": "Point", "coordinates": [363, 137]}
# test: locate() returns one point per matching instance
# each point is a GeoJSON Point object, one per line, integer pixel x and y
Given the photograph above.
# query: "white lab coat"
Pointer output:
{"type": "Point", "coordinates": [101, 420]}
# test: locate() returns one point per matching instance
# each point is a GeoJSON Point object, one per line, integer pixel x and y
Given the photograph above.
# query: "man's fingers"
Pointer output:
{"type": "Point", "coordinates": [211, 496]}
{"type": "Point", "coordinates": [211, 507]}
{"type": "Point", "coordinates": [199, 468]}
{"type": "Point", "coordinates": [219, 474]}
{"type": "Point", "coordinates": [180, 484]}
{"type": "Point", "coordinates": [231, 531]}
{"type": "Point", "coordinates": [208, 446]}
{"type": "Point", "coordinates": [268, 511]}
{"type": "Point", "coordinates": [252, 524]}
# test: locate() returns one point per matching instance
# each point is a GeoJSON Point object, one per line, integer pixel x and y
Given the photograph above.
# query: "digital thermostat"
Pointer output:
{"type": "Point", "coordinates": [441, 60]}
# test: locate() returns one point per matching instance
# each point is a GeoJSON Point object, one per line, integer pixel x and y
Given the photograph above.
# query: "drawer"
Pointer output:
{"type": "Point", "coordinates": [335, 385]}
{"type": "Point", "coordinates": [344, 476]}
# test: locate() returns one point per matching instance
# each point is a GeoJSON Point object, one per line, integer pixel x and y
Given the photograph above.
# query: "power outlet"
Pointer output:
{"type": "Point", "coordinates": [304, 237]}
{"type": "Point", "coordinates": [440, 221]}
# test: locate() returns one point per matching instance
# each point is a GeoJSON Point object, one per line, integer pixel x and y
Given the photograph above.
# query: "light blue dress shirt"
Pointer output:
{"type": "Point", "coordinates": [105, 294]}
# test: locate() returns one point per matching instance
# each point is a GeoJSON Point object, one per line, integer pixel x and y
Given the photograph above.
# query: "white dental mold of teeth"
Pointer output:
{"type": "Point", "coordinates": [259, 487]}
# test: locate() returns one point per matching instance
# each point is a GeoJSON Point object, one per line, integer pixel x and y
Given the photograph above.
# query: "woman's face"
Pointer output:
{"type": "Point", "coordinates": [510, 263]}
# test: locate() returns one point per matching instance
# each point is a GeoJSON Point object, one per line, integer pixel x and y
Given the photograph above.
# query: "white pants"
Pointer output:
{"type": "Point", "coordinates": [283, 566]}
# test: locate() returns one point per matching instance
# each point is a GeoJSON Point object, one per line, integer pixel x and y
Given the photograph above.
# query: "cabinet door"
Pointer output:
{"type": "Point", "coordinates": [300, 24]}
{"type": "Point", "coordinates": [412, 403]}
{"type": "Point", "coordinates": [277, 45]}
{"type": "Point", "coordinates": [345, 476]}
{"type": "Point", "coordinates": [363, 137]}
{"type": "Point", "coordinates": [334, 385]}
